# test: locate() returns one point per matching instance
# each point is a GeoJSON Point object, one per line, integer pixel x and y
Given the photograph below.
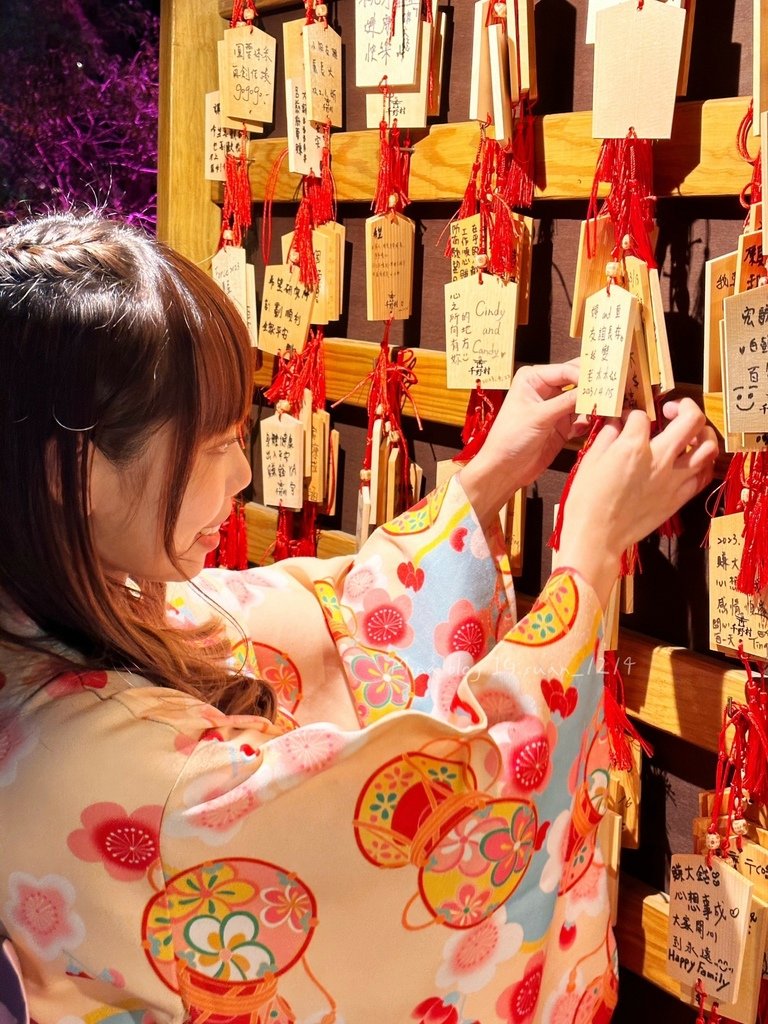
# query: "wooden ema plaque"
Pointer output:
{"type": "Point", "coordinates": [282, 460]}
{"type": "Point", "coordinates": [465, 245]}
{"type": "Point", "coordinates": [609, 324]}
{"type": "Point", "coordinates": [389, 242]}
{"type": "Point", "coordinates": [248, 90]}
{"type": "Point", "coordinates": [480, 324]}
{"type": "Point", "coordinates": [286, 310]}
{"type": "Point", "coordinates": [323, 73]}
{"type": "Point", "coordinates": [719, 282]}
{"type": "Point", "coordinates": [480, 92]}
{"type": "Point", "coordinates": [236, 278]}
{"type": "Point", "coordinates": [637, 61]}
{"type": "Point", "coordinates": [709, 914]}
{"type": "Point", "coordinates": [590, 270]}
{"type": "Point", "coordinates": [378, 52]}
{"type": "Point", "coordinates": [305, 140]}
{"type": "Point", "coordinates": [746, 361]}
{"type": "Point", "coordinates": [734, 618]}
{"type": "Point", "coordinates": [408, 105]}
{"type": "Point", "coordinates": [219, 139]}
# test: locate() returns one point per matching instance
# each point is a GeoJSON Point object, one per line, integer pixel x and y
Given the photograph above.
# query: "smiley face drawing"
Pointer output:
{"type": "Point", "coordinates": [744, 397]}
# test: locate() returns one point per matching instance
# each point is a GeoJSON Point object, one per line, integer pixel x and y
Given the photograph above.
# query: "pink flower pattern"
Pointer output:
{"type": "Point", "coordinates": [468, 908]}
{"type": "Point", "coordinates": [517, 1003]}
{"type": "Point", "coordinates": [461, 847]}
{"type": "Point", "coordinates": [511, 846]}
{"type": "Point", "coordinates": [384, 621]}
{"type": "Point", "coordinates": [41, 910]}
{"type": "Point", "coordinates": [126, 844]}
{"type": "Point", "coordinates": [290, 904]}
{"type": "Point", "coordinates": [467, 629]}
{"type": "Point", "coordinates": [384, 680]}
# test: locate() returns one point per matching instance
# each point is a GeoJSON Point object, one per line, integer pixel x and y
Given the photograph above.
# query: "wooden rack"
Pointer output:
{"type": "Point", "coordinates": [698, 161]}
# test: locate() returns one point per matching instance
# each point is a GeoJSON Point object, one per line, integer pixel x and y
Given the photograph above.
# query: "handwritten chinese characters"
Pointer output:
{"type": "Point", "coordinates": [282, 461]}
{"type": "Point", "coordinates": [734, 618]}
{"type": "Point", "coordinates": [465, 245]}
{"type": "Point", "coordinates": [322, 69]}
{"type": "Point", "coordinates": [389, 242]}
{"type": "Point", "coordinates": [305, 140]}
{"type": "Point", "coordinates": [609, 323]}
{"type": "Point", "coordinates": [219, 140]}
{"type": "Point", "coordinates": [380, 51]}
{"type": "Point", "coordinates": [745, 367]}
{"type": "Point", "coordinates": [286, 309]}
{"type": "Point", "coordinates": [708, 923]}
{"type": "Point", "coordinates": [480, 323]}
{"type": "Point", "coordinates": [248, 87]}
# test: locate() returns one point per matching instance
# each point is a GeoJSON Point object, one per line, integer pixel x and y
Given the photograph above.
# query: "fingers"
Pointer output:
{"type": "Point", "coordinates": [552, 376]}
{"type": "Point", "coordinates": [552, 409]}
{"type": "Point", "coordinates": [686, 424]}
{"type": "Point", "coordinates": [701, 454]}
{"type": "Point", "coordinates": [607, 436]}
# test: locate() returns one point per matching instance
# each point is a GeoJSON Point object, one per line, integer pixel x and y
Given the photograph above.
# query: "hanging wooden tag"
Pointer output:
{"type": "Point", "coordinates": [395, 501]}
{"type": "Point", "coordinates": [305, 140]}
{"type": "Point", "coordinates": [282, 461]}
{"type": "Point", "coordinates": [381, 496]}
{"type": "Point", "coordinates": [248, 91]}
{"type": "Point", "coordinates": [293, 48]}
{"type": "Point", "coordinates": [609, 323]}
{"type": "Point", "coordinates": [600, 5]}
{"type": "Point", "coordinates": [637, 60]}
{"type": "Point", "coordinates": [513, 53]}
{"type": "Point", "coordinates": [685, 57]}
{"type": "Point", "coordinates": [219, 140]}
{"type": "Point", "coordinates": [228, 271]}
{"type": "Point", "coordinates": [755, 215]}
{"type": "Point", "coordinates": [480, 94]}
{"type": "Point", "coordinates": [305, 415]}
{"type": "Point", "coordinates": [480, 324]}
{"type": "Point", "coordinates": [526, 41]}
{"type": "Point", "coordinates": [611, 618]}
{"type": "Point", "coordinates": [321, 425]}
{"type": "Point", "coordinates": [363, 527]}
{"type": "Point", "coordinates": [637, 282]}
{"type": "Point", "coordinates": [734, 618]}
{"type": "Point", "coordinates": [337, 234]}
{"type": "Point", "coordinates": [701, 944]}
{"type": "Point", "coordinates": [406, 104]}
{"type": "Point", "coordinates": [759, 62]}
{"type": "Point", "coordinates": [389, 242]}
{"type": "Point", "coordinates": [624, 797]}
{"type": "Point", "coordinates": [286, 310]}
{"type": "Point", "coordinates": [752, 862]}
{"type": "Point", "coordinates": [327, 249]}
{"type": "Point", "coordinates": [663, 354]}
{"type": "Point", "coordinates": [377, 440]}
{"type": "Point", "coordinates": [513, 528]}
{"type": "Point", "coordinates": [333, 482]}
{"type": "Point", "coordinates": [437, 62]}
{"type": "Point", "coordinates": [417, 479]}
{"type": "Point", "coordinates": [445, 469]}
{"type": "Point", "coordinates": [524, 263]}
{"type": "Point", "coordinates": [719, 282]}
{"type": "Point", "coordinates": [750, 271]}
{"type": "Point", "coordinates": [746, 361]}
{"type": "Point", "coordinates": [609, 841]}
{"type": "Point", "coordinates": [378, 52]}
{"type": "Point", "coordinates": [323, 73]}
{"type": "Point", "coordinates": [322, 244]}
{"type": "Point", "coordinates": [254, 128]}
{"type": "Point", "coordinates": [500, 91]}
{"type": "Point", "coordinates": [744, 1008]}
{"type": "Point", "coordinates": [251, 316]}
{"type": "Point", "coordinates": [465, 245]}
{"type": "Point", "coordinates": [638, 394]}
{"type": "Point", "coordinates": [590, 270]}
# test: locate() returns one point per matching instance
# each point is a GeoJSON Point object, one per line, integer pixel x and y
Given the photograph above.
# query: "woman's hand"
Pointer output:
{"type": "Point", "coordinates": [533, 424]}
{"type": "Point", "coordinates": [628, 484]}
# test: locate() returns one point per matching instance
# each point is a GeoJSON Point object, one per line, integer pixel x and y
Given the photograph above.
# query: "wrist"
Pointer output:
{"type": "Point", "coordinates": [598, 566]}
{"type": "Point", "coordinates": [487, 487]}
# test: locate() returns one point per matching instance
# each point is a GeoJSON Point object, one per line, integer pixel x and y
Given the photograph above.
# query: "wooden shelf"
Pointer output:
{"type": "Point", "coordinates": [700, 159]}
{"type": "Point", "coordinates": [262, 6]}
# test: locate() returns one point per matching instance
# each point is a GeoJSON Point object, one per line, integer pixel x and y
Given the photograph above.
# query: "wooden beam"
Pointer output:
{"type": "Point", "coordinates": [700, 159]}
{"type": "Point", "coordinates": [186, 218]}
{"type": "Point", "coordinates": [263, 7]}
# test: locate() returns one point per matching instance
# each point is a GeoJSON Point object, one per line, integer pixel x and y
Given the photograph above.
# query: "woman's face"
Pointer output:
{"type": "Point", "coordinates": [127, 515]}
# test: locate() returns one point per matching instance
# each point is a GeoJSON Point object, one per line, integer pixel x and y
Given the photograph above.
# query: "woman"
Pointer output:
{"type": "Point", "coordinates": [344, 790]}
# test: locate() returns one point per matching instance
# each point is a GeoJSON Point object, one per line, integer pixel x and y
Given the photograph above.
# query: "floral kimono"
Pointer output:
{"type": "Point", "coordinates": [416, 838]}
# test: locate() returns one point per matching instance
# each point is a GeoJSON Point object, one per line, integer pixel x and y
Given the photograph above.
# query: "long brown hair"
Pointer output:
{"type": "Point", "coordinates": [105, 336]}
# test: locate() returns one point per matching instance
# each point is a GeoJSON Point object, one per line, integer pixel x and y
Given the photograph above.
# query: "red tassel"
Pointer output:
{"type": "Point", "coordinates": [239, 7]}
{"type": "Point", "coordinates": [236, 211]}
{"type": "Point", "coordinates": [482, 409]}
{"type": "Point", "coordinates": [554, 540]}
{"type": "Point", "coordinates": [620, 729]}
{"type": "Point", "coordinates": [753, 573]}
{"type": "Point", "coordinates": [302, 251]}
{"type": "Point", "coordinates": [269, 197]}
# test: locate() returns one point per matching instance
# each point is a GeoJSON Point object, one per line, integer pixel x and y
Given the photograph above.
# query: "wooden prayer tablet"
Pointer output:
{"type": "Point", "coordinates": [699, 946]}
{"type": "Point", "coordinates": [408, 105]}
{"type": "Point", "coordinates": [465, 245]}
{"type": "Point", "coordinates": [248, 90]}
{"type": "Point", "coordinates": [755, 217]}
{"type": "Point", "coordinates": [734, 617]}
{"type": "Point", "coordinates": [719, 281]}
{"type": "Point", "coordinates": [389, 242]}
{"type": "Point", "coordinates": [480, 93]}
{"type": "Point", "coordinates": [378, 52]}
{"type": "Point", "coordinates": [363, 527]}
{"type": "Point", "coordinates": [743, 1009]}
{"type": "Point", "coordinates": [513, 528]}
{"type": "Point", "coordinates": [637, 60]}
{"type": "Point", "coordinates": [437, 62]}
{"type": "Point", "coordinates": [524, 261]}
{"type": "Point", "coordinates": [685, 56]}
{"type": "Point", "coordinates": [251, 315]}
{"type": "Point", "coordinates": [305, 415]}
{"type": "Point", "coordinates": [305, 140]}
{"type": "Point", "coordinates": [254, 127]}
{"type": "Point", "coordinates": [513, 53]}
{"type": "Point", "coordinates": [663, 354]}
{"type": "Point", "coordinates": [746, 361]}
{"type": "Point", "coordinates": [590, 269]}
{"type": "Point", "coordinates": [609, 841]}
{"type": "Point", "coordinates": [624, 788]}
{"type": "Point", "coordinates": [500, 93]}
{"type": "Point", "coordinates": [638, 393]}
{"type": "Point", "coordinates": [229, 273]}
{"type": "Point", "coordinates": [526, 49]}
{"type": "Point", "coordinates": [323, 73]}
{"type": "Point", "coordinates": [318, 477]}
{"type": "Point", "coordinates": [638, 283]}
{"type": "Point", "coordinates": [333, 483]}
{"type": "Point", "coordinates": [337, 233]}
{"type": "Point", "coordinates": [480, 324]}
{"type": "Point", "coordinates": [219, 139]}
{"type": "Point", "coordinates": [750, 272]}
{"type": "Point", "coordinates": [609, 324]}
{"type": "Point", "coordinates": [286, 310]}
{"type": "Point", "coordinates": [282, 461]}
{"type": "Point", "coordinates": [293, 48]}
{"type": "Point", "coordinates": [324, 248]}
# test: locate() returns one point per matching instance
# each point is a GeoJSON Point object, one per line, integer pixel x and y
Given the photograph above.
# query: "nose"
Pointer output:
{"type": "Point", "coordinates": [240, 471]}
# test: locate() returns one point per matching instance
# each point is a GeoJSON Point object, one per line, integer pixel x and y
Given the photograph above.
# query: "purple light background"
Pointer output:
{"type": "Point", "coordinates": [78, 107]}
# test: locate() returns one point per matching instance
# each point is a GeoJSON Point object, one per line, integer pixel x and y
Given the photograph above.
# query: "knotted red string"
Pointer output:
{"type": "Point", "coordinates": [269, 197]}
{"type": "Point", "coordinates": [620, 730]}
{"type": "Point", "coordinates": [236, 210]}
{"type": "Point", "coordinates": [239, 7]}
{"type": "Point", "coordinates": [482, 408]}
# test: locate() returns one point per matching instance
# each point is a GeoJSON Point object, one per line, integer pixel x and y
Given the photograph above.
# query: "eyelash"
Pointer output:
{"type": "Point", "coordinates": [222, 449]}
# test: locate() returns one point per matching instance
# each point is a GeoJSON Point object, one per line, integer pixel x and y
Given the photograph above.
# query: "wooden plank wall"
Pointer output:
{"type": "Point", "coordinates": [674, 689]}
